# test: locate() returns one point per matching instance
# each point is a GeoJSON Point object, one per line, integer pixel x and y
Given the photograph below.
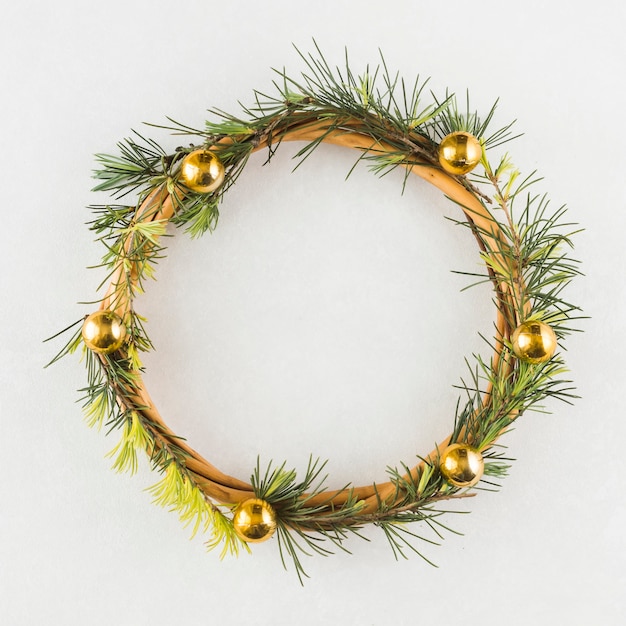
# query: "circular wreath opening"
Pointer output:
{"type": "Point", "coordinates": [379, 410]}
{"type": "Point", "coordinates": [520, 241]}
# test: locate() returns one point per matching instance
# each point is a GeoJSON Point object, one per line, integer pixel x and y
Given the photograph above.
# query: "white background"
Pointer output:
{"type": "Point", "coordinates": [321, 317]}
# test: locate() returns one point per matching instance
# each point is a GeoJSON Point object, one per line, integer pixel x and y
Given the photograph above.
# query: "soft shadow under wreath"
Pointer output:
{"type": "Point", "coordinates": [520, 240]}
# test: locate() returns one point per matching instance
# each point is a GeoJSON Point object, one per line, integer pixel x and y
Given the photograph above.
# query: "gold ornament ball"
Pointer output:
{"type": "Point", "coordinates": [534, 342]}
{"type": "Point", "coordinates": [459, 153]}
{"type": "Point", "coordinates": [461, 465]}
{"type": "Point", "coordinates": [254, 520]}
{"type": "Point", "coordinates": [202, 171]}
{"type": "Point", "coordinates": [104, 332]}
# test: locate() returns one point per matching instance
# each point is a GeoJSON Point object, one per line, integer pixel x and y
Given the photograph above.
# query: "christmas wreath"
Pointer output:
{"type": "Point", "coordinates": [521, 241]}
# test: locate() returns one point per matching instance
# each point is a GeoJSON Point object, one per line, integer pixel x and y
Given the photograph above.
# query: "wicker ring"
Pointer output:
{"type": "Point", "coordinates": [229, 490]}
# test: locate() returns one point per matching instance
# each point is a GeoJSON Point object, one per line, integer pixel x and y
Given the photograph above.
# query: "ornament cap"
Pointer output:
{"type": "Point", "coordinates": [459, 153]}
{"type": "Point", "coordinates": [254, 520]}
{"type": "Point", "coordinates": [461, 465]}
{"type": "Point", "coordinates": [202, 171]}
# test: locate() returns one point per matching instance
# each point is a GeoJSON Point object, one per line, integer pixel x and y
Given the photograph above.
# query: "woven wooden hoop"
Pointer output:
{"type": "Point", "coordinates": [229, 490]}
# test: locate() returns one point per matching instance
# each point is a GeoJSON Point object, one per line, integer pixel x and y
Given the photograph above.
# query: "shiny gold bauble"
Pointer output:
{"type": "Point", "coordinates": [104, 332]}
{"type": "Point", "coordinates": [201, 171]}
{"type": "Point", "coordinates": [534, 342]}
{"type": "Point", "coordinates": [459, 153]}
{"type": "Point", "coordinates": [461, 465]}
{"type": "Point", "coordinates": [254, 520]}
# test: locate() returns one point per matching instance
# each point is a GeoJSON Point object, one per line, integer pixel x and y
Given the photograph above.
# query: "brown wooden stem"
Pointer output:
{"type": "Point", "coordinates": [228, 490]}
